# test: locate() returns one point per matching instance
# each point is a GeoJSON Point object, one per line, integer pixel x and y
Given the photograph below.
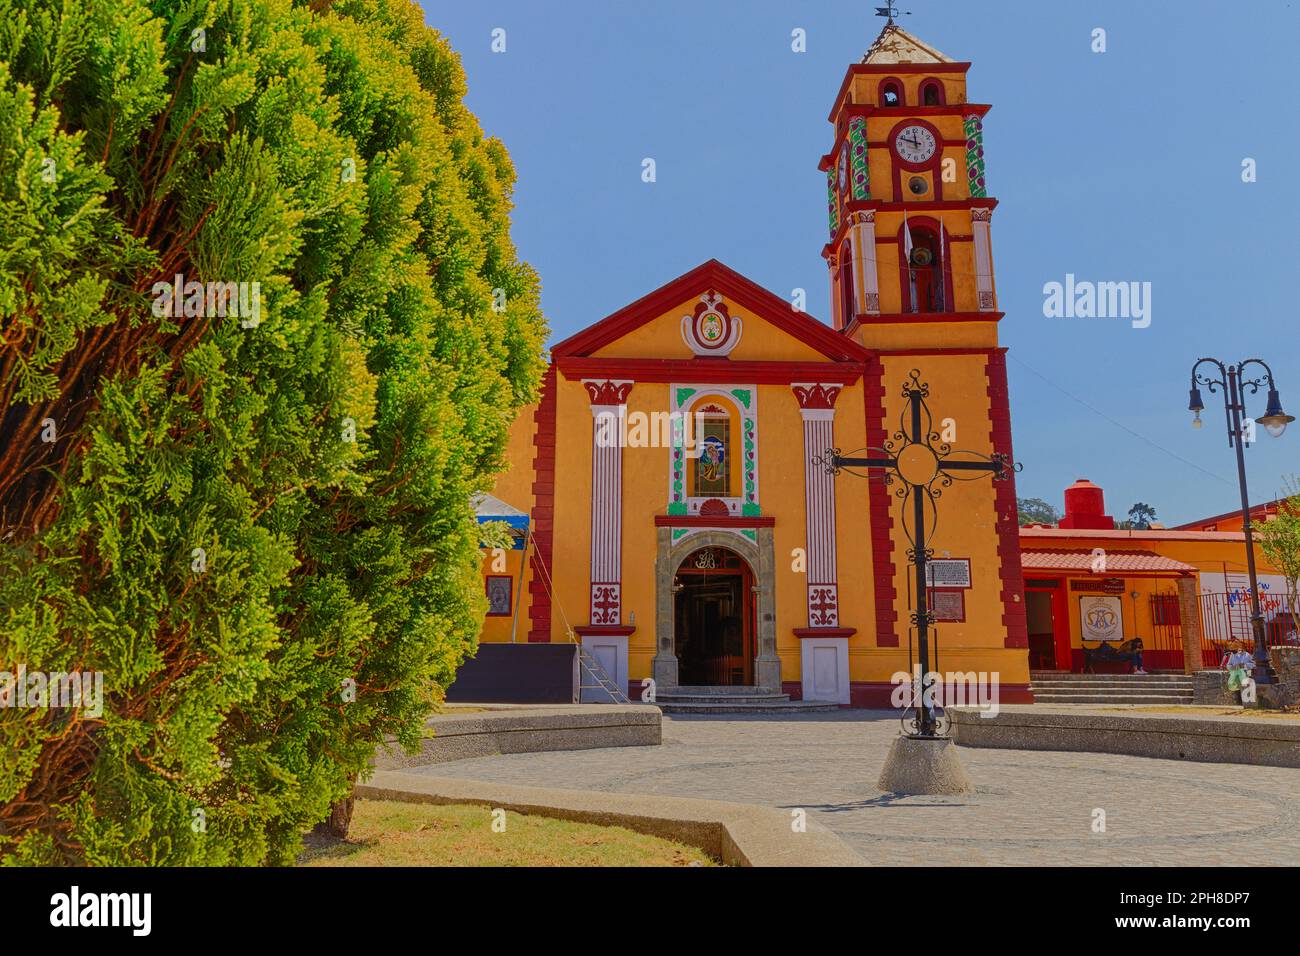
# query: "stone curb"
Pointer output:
{"type": "Point", "coordinates": [528, 730]}
{"type": "Point", "coordinates": [737, 834]}
{"type": "Point", "coordinates": [1206, 738]}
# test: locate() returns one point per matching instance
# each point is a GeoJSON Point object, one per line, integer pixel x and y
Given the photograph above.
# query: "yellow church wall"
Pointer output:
{"type": "Point", "coordinates": [645, 493]}
{"type": "Point", "coordinates": [497, 629]}
{"type": "Point", "coordinates": [966, 525]}
{"type": "Point", "coordinates": [571, 545]}
{"type": "Point", "coordinates": [901, 336]}
{"type": "Point", "coordinates": [781, 488]}
{"type": "Point", "coordinates": [514, 486]}
{"type": "Point", "coordinates": [853, 560]}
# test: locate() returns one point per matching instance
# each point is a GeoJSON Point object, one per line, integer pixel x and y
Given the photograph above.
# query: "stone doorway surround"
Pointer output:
{"type": "Point", "coordinates": [762, 562]}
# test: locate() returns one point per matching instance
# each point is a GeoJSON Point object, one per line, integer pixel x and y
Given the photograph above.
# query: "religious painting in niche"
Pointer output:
{"type": "Point", "coordinates": [498, 595]}
{"type": "Point", "coordinates": [713, 467]}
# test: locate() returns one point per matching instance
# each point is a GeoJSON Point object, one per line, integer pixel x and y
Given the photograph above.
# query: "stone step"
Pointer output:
{"type": "Point", "coordinates": [717, 690]}
{"type": "Point", "coordinates": [722, 699]}
{"type": "Point", "coordinates": [1117, 691]}
{"type": "Point", "coordinates": [1112, 698]}
{"type": "Point", "coordinates": [1163, 686]}
{"type": "Point", "coordinates": [731, 707]}
{"type": "Point", "coordinates": [1063, 675]}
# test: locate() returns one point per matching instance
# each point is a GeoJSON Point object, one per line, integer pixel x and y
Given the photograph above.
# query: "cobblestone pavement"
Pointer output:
{"type": "Point", "coordinates": [1031, 807]}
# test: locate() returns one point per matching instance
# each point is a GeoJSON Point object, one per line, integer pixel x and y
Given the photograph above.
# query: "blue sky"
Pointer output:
{"type": "Point", "coordinates": [1115, 166]}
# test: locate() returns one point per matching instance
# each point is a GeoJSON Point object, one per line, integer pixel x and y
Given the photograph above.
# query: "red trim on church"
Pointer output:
{"type": "Point", "coordinates": [713, 369]}
{"type": "Point", "coordinates": [543, 517]}
{"type": "Point", "coordinates": [802, 632]}
{"type": "Point", "coordinates": [878, 500]}
{"type": "Point", "coordinates": [886, 318]}
{"type": "Point", "coordinates": [595, 630]}
{"type": "Point", "coordinates": [1004, 501]}
{"type": "Point", "coordinates": [716, 277]}
{"type": "Point", "coordinates": [714, 521]}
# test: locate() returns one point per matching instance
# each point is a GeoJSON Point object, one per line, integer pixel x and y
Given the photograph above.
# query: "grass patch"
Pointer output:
{"type": "Point", "coordinates": [391, 833]}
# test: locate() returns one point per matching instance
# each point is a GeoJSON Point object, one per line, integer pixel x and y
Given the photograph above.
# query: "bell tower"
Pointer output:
{"type": "Point", "coordinates": [911, 280]}
{"type": "Point", "coordinates": [908, 205]}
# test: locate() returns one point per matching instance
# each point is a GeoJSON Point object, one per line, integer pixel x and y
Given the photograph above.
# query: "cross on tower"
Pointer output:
{"type": "Point", "coordinates": [924, 465]}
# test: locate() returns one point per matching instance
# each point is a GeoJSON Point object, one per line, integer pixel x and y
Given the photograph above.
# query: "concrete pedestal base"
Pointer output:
{"type": "Point", "coordinates": [924, 765]}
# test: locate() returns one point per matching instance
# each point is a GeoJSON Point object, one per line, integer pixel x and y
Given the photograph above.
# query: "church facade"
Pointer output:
{"type": "Point", "coordinates": [683, 524]}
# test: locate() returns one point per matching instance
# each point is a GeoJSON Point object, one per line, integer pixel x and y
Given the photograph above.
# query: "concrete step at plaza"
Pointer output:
{"type": "Point", "coordinates": [735, 700]}
{"type": "Point", "coordinates": [724, 706]}
{"type": "Point", "coordinates": [1058, 687]}
{"type": "Point", "coordinates": [1108, 685]}
{"type": "Point", "coordinates": [1169, 699]}
{"type": "Point", "coordinates": [1174, 676]}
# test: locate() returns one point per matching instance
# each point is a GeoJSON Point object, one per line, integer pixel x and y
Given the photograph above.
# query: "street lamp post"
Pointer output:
{"type": "Point", "coordinates": [1232, 381]}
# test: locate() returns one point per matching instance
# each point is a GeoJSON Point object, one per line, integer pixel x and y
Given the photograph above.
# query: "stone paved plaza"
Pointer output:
{"type": "Point", "coordinates": [1032, 807]}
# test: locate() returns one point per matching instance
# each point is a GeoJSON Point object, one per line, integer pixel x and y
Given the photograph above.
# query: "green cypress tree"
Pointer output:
{"type": "Point", "coordinates": [255, 527]}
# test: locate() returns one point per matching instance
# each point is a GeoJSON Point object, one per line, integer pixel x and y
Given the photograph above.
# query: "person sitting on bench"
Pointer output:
{"type": "Point", "coordinates": [1129, 652]}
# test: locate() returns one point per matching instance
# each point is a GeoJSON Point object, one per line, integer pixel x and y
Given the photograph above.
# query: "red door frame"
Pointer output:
{"type": "Point", "coordinates": [1060, 620]}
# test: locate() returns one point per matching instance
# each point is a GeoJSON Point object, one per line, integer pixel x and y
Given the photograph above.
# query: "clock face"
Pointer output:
{"type": "Point", "coordinates": [915, 144]}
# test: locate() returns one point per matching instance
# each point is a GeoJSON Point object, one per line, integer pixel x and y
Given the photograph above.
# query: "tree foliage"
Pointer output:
{"type": "Point", "coordinates": [1036, 511]}
{"type": "Point", "coordinates": [1279, 539]}
{"type": "Point", "coordinates": [1140, 517]}
{"type": "Point", "coordinates": [236, 524]}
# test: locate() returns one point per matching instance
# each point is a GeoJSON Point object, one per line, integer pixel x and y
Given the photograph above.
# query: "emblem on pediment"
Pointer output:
{"type": "Point", "coordinates": [711, 330]}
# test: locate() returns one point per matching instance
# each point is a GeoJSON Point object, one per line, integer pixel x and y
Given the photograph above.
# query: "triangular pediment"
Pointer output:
{"type": "Point", "coordinates": [657, 325]}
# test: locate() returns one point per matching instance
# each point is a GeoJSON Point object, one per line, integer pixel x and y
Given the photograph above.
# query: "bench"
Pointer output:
{"type": "Point", "coordinates": [1126, 655]}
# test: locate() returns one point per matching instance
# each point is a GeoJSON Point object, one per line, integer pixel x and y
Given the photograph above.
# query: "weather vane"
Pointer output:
{"type": "Point", "coordinates": [889, 11]}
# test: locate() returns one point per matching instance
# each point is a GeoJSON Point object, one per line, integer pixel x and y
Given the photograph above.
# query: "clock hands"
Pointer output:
{"type": "Point", "coordinates": [913, 138]}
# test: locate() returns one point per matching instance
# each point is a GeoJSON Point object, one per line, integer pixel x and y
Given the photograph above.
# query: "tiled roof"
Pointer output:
{"type": "Point", "coordinates": [1117, 562]}
{"type": "Point", "coordinates": [1136, 535]}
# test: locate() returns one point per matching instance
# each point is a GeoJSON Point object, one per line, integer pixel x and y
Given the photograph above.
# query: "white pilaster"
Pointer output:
{"type": "Point", "coordinates": [864, 262]}
{"type": "Point", "coordinates": [980, 220]}
{"type": "Point", "coordinates": [817, 408]}
{"type": "Point", "coordinates": [608, 411]}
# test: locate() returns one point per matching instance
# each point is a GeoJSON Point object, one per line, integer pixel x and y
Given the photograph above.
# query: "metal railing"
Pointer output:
{"type": "Point", "coordinates": [1225, 617]}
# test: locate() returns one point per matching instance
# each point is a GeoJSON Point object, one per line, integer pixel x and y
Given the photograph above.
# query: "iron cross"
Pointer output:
{"type": "Point", "coordinates": [924, 464]}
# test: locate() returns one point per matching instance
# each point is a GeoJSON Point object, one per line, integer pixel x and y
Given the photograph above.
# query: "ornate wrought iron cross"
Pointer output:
{"type": "Point", "coordinates": [922, 464]}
